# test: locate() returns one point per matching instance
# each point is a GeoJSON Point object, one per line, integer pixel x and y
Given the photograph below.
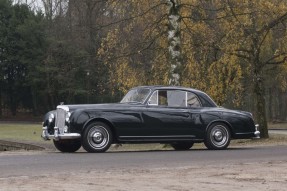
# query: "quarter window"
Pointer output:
{"type": "Point", "coordinates": [192, 100]}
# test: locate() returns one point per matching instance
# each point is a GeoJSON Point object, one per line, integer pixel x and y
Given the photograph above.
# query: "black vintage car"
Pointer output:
{"type": "Point", "coordinates": [148, 114]}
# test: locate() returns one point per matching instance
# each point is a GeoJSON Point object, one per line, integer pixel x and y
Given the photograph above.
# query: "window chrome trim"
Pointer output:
{"type": "Point", "coordinates": [148, 103]}
{"type": "Point", "coordinates": [185, 98]}
{"type": "Point", "coordinates": [147, 96]}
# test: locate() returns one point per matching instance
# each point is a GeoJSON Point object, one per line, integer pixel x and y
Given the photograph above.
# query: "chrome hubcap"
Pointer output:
{"type": "Point", "coordinates": [98, 137]}
{"type": "Point", "coordinates": [219, 136]}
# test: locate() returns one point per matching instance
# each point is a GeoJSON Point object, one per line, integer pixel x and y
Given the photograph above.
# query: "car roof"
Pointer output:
{"type": "Point", "coordinates": [171, 87]}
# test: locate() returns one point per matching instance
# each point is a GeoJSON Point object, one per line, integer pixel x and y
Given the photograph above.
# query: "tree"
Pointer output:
{"type": "Point", "coordinates": [251, 34]}
{"type": "Point", "coordinates": [174, 41]}
{"type": "Point", "coordinates": [21, 50]}
{"type": "Point", "coordinates": [5, 15]}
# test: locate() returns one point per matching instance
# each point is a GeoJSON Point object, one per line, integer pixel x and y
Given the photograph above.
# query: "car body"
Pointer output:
{"type": "Point", "coordinates": [148, 114]}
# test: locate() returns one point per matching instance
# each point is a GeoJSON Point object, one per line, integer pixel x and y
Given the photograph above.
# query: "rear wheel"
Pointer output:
{"type": "Point", "coordinates": [180, 146]}
{"type": "Point", "coordinates": [97, 137]}
{"type": "Point", "coordinates": [217, 137]}
{"type": "Point", "coordinates": [68, 146]}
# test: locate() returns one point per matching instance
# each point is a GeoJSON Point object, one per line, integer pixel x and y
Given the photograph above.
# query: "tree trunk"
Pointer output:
{"type": "Point", "coordinates": [11, 95]}
{"type": "Point", "coordinates": [259, 91]}
{"type": "Point", "coordinates": [270, 105]}
{"type": "Point", "coordinates": [174, 42]}
{"type": "Point", "coordinates": [282, 106]}
{"type": "Point", "coordinates": [34, 99]}
{"type": "Point", "coordinates": [285, 106]}
{"type": "Point", "coordinates": [0, 100]}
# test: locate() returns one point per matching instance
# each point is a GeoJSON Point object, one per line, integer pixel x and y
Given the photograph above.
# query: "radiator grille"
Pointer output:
{"type": "Point", "coordinates": [60, 120]}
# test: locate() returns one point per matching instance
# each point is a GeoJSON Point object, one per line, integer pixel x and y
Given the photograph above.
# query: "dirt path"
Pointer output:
{"type": "Point", "coordinates": [250, 176]}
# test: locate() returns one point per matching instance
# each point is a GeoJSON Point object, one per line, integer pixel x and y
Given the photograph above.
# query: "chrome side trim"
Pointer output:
{"type": "Point", "coordinates": [167, 136]}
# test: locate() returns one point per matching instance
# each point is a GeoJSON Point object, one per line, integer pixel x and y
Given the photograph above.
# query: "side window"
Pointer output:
{"type": "Point", "coordinates": [192, 100]}
{"type": "Point", "coordinates": [167, 98]}
{"type": "Point", "coordinates": [176, 98]}
{"type": "Point", "coordinates": [162, 98]}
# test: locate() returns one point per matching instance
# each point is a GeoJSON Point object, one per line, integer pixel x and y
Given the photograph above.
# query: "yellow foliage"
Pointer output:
{"type": "Point", "coordinates": [208, 47]}
{"type": "Point", "coordinates": [224, 79]}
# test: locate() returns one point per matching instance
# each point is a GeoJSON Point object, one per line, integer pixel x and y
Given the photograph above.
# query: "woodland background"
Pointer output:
{"type": "Point", "coordinates": [91, 51]}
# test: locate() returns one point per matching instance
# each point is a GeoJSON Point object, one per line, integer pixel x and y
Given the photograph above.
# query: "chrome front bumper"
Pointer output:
{"type": "Point", "coordinates": [46, 136]}
{"type": "Point", "coordinates": [257, 132]}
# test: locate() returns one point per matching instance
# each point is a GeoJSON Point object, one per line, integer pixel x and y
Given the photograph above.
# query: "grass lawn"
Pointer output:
{"type": "Point", "coordinates": [277, 125]}
{"type": "Point", "coordinates": [21, 132]}
{"type": "Point", "coordinates": [31, 133]}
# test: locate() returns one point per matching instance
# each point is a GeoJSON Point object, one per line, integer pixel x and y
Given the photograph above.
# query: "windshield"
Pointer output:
{"type": "Point", "coordinates": [138, 95]}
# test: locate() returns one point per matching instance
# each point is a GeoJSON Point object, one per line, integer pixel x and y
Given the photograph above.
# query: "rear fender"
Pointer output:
{"type": "Point", "coordinates": [221, 121]}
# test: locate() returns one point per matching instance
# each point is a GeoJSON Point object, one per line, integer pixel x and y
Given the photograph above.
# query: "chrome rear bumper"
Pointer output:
{"type": "Point", "coordinates": [257, 132]}
{"type": "Point", "coordinates": [46, 136]}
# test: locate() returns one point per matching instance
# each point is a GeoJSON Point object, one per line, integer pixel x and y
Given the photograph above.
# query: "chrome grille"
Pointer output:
{"type": "Point", "coordinates": [60, 120]}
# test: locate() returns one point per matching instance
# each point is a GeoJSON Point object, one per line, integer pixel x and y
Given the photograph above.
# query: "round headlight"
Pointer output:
{"type": "Point", "coordinates": [68, 117]}
{"type": "Point", "coordinates": [66, 129]}
{"type": "Point", "coordinates": [51, 118]}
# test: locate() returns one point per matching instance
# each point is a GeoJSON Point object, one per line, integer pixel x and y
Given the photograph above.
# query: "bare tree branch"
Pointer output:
{"type": "Point", "coordinates": [281, 61]}
{"type": "Point", "coordinates": [273, 23]}
{"type": "Point", "coordinates": [132, 17]}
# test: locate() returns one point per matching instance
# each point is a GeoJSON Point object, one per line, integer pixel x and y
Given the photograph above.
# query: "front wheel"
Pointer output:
{"type": "Point", "coordinates": [217, 137]}
{"type": "Point", "coordinates": [97, 137]}
{"type": "Point", "coordinates": [68, 146]}
{"type": "Point", "coordinates": [181, 146]}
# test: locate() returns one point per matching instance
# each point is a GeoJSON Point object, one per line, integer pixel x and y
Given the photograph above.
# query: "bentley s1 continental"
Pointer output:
{"type": "Point", "coordinates": [148, 114]}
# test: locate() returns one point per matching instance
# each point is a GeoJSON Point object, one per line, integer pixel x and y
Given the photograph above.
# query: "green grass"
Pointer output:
{"type": "Point", "coordinates": [31, 133]}
{"type": "Point", "coordinates": [277, 125]}
{"type": "Point", "coordinates": [21, 132]}
{"type": "Point", "coordinates": [274, 139]}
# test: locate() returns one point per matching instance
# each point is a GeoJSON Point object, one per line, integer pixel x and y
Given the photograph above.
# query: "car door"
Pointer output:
{"type": "Point", "coordinates": [168, 116]}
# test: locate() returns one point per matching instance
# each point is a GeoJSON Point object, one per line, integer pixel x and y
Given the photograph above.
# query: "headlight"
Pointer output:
{"type": "Point", "coordinates": [51, 118]}
{"type": "Point", "coordinates": [66, 129]}
{"type": "Point", "coordinates": [68, 117]}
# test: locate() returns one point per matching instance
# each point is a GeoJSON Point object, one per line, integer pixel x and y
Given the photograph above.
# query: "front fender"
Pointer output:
{"type": "Point", "coordinates": [80, 120]}
{"type": "Point", "coordinates": [50, 125]}
{"type": "Point", "coordinates": [77, 120]}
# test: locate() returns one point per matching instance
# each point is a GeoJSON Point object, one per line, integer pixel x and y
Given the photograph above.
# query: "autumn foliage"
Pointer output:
{"type": "Point", "coordinates": [95, 51]}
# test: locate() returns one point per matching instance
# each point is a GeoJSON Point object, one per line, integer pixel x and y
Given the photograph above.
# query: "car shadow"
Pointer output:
{"type": "Point", "coordinates": [82, 151]}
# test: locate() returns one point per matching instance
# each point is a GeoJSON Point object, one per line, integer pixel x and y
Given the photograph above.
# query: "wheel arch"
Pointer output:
{"type": "Point", "coordinates": [224, 122]}
{"type": "Point", "coordinates": [103, 120]}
